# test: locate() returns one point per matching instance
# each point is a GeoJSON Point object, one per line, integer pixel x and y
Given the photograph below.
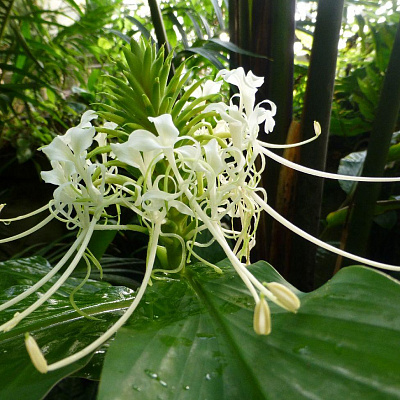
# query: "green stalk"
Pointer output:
{"type": "Point", "coordinates": [317, 107]}
{"type": "Point", "coordinates": [366, 195]}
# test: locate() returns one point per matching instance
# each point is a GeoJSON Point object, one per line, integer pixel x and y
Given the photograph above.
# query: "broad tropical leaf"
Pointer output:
{"type": "Point", "coordinates": [193, 339]}
{"type": "Point", "coordinates": [56, 326]}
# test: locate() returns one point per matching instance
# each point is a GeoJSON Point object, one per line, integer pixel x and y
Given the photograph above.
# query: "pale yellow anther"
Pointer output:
{"type": "Point", "coordinates": [262, 318]}
{"type": "Point", "coordinates": [35, 354]}
{"type": "Point", "coordinates": [317, 128]}
{"type": "Point", "coordinates": [2, 206]}
{"type": "Point", "coordinates": [287, 299]}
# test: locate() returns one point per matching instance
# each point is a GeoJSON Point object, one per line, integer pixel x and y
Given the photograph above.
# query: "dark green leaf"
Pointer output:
{"type": "Point", "coordinates": [232, 47]}
{"type": "Point", "coordinates": [57, 327]}
{"type": "Point", "coordinates": [193, 339]}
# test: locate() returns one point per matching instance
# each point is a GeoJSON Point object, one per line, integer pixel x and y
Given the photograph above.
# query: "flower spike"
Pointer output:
{"type": "Point", "coordinates": [189, 167]}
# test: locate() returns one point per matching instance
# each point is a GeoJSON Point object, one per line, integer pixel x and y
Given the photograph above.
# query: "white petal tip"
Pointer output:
{"type": "Point", "coordinates": [35, 354]}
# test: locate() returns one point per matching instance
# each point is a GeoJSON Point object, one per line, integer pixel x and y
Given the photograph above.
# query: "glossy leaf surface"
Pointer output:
{"type": "Point", "coordinates": [193, 339]}
{"type": "Point", "coordinates": [57, 327]}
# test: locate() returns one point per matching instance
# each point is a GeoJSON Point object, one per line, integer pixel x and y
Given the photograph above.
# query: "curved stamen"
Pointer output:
{"type": "Point", "coordinates": [213, 228]}
{"type": "Point", "coordinates": [46, 278]}
{"type": "Point", "coordinates": [29, 231]}
{"type": "Point", "coordinates": [322, 174]}
{"type": "Point", "coordinates": [319, 242]}
{"type": "Point", "coordinates": [153, 241]}
{"type": "Point", "coordinates": [38, 211]}
{"type": "Point", "coordinates": [20, 316]}
{"type": "Point", "coordinates": [317, 130]}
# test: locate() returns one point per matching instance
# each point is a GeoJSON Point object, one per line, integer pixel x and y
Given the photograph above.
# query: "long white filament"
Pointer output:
{"type": "Point", "coordinates": [286, 146]}
{"type": "Point", "coordinates": [20, 316]}
{"type": "Point", "coordinates": [29, 231]}
{"type": "Point", "coordinates": [214, 230]}
{"type": "Point", "coordinates": [20, 217]}
{"type": "Point", "coordinates": [322, 174]}
{"type": "Point", "coordinates": [319, 242]}
{"type": "Point", "coordinates": [153, 241]}
{"type": "Point", "coordinates": [46, 278]}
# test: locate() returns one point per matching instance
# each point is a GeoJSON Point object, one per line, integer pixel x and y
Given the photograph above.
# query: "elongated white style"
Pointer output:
{"type": "Point", "coordinates": [188, 184]}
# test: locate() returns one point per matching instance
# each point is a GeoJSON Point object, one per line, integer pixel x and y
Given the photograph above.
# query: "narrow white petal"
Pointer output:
{"type": "Point", "coordinates": [167, 131]}
{"type": "Point", "coordinates": [80, 139]}
{"type": "Point", "coordinates": [87, 116]}
{"type": "Point", "coordinates": [143, 140]}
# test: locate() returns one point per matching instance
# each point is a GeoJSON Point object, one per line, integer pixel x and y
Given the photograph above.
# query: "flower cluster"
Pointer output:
{"type": "Point", "coordinates": [181, 185]}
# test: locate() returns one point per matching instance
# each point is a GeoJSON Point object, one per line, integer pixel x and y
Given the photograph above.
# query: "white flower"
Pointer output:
{"type": "Point", "coordinates": [247, 84]}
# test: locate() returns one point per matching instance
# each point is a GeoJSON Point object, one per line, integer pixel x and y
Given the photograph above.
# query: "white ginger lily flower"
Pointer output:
{"type": "Point", "coordinates": [204, 179]}
{"type": "Point", "coordinates": [208, 88]}
{"type": "Point", "coordinates": [247, 84]}
{"type": "Point", "coordinates": [77, 201]}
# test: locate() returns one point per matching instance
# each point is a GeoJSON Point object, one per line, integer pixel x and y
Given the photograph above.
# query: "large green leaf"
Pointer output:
{"type": "Point", "coordinates": [193, 339]}
{"type": "Point", "coordinates": [57, 327]}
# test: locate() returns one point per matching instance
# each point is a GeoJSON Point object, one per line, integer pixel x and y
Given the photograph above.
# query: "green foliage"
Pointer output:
{"type": "Point", "coordinates": [362, 65]}
{"type": "Point", "coordinates": [135, 99]}
{"type": "Point", "coordinates": [192, 338]}
{"type": "Point", "coordinates": [56, 324]}
{"type": "Point", "coordinates": [50, 69]}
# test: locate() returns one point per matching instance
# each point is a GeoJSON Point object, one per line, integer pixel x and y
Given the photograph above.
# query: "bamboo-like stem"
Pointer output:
{"type": "Point", "coordinates": [317, 107]}
{"type": "Point", "coordinates": [366, 196]}
{"type": "Point", "coordinates": [158, 24]}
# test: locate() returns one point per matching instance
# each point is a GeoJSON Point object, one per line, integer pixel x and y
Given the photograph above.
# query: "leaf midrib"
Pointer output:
{"type": "Point", "coordinates": [215, 317]}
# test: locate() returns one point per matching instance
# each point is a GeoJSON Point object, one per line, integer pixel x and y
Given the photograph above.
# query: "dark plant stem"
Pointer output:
{"type": "Point", "coordinates": [6, 15]}
{"type": "Point", "coordinates": [317, 107]}
{"type": "Point", "coordinates": [366, 195]}
{"type": "Point", "coordinates": [158, 24]}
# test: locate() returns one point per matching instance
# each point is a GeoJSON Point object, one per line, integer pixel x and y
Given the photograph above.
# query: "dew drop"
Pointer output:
{"type": "Point", "coordinates": [137, 388]}
{"type": "Point", "coordinates": [187, 387]}
{"type": "Point", "coordinates": [163, 383]}
{"type": "Point", "coordinates": [151, 374]}
{"type": "Point", "coordinates": [208, 377]}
